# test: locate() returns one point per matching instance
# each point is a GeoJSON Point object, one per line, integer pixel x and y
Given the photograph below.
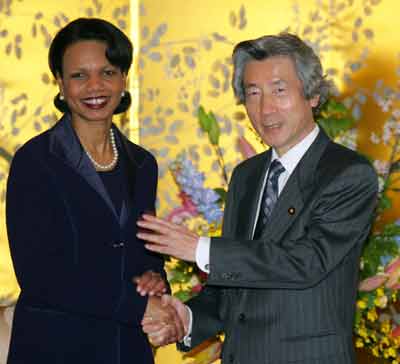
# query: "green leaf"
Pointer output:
{"type": "Point", "coordinates": [395, 167]}
{"type": "Point", "coordinates": [379, 245]}
{"type": "Point", "coordinates": [214, 132]}
{"type": "Point", "coordinates": [204, 120]}
{"type": "Point", "coordinates": [384, 203]}
{"type": "Point", "coordinates": [357, 318]}
{"type": "Point", "coordinates": [335, 126]}
{"type": "Point", "coordinates": [4, 154]}
{"type": "Point", "coordinates": [335, 118]}
{"type": "Point", "coordinates": [179, 277]}
{"type": "Point", "coordinates": [335, 107]}
{"type": "Point", "coordinates": [182, 295]}
{"type": "Point", "coordinates": [222, 194]}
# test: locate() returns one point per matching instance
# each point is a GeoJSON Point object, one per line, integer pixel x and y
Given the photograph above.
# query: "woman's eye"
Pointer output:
{"type": "Point", "coordinates": [77, 75]}
{"type": "Point", "coordinates": [109, 73]}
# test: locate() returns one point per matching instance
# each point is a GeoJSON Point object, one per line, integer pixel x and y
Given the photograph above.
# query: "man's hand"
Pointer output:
{"type": "Point", "coordinates": [161, 322]}
{"type": "Point", "coordinates": [168, 238]}
{"type": "Point", "coordinates": [160, 334]}
{"type": "Point", "coordinates": [150, 283]}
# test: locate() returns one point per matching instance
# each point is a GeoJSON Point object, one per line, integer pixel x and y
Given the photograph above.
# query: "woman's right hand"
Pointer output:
{"type": "Point", "coordinates": [150, 283]}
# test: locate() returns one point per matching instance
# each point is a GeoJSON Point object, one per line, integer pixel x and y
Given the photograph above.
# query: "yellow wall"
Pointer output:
{"type": "Point", "coordinates": [184, 60]}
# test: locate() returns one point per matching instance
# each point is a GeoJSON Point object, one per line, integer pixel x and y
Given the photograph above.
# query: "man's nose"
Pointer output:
{"type": "Point", "coordinates": [268, 105]}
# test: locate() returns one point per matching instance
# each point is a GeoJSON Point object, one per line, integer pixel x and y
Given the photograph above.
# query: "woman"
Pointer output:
{"type": "Point", "coordinates": [74, 195]}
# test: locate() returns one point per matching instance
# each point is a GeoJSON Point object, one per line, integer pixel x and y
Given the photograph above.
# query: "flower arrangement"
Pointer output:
{"type": "Point", "coordinates": [377, 321]}
{"type": "Point", "coordinates": [201, 208]}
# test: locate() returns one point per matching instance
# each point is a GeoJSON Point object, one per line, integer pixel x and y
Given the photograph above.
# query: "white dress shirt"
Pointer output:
{"type": "Point", "coordinates": [289, 161]}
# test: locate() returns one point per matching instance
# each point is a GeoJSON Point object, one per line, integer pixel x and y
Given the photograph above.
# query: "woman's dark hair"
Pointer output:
{"type": "Point", "coordinates": [118, 53]}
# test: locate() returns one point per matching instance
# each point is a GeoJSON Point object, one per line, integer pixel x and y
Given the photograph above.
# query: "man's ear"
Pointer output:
{"type": "Point", "coordinates": [314, 101]}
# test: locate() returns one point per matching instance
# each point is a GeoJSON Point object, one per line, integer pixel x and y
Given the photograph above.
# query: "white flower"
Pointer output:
{"type": "Point", "coordinates": [381, 167]}
{"type": "Point", "coordinates": [374, 138]}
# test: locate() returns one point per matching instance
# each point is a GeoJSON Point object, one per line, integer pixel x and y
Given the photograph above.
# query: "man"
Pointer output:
{"type": "Point", "coordinates": [283, 277]}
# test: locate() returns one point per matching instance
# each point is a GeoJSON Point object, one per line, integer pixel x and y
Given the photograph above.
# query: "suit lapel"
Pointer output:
{"type": "Point", "coordinates": [65, 145]}
{"type": "Point", "coordinates": [254, 182]}
{"type": "Point", "coordinates": [297, 190]}
{"type": "Point", "coordinates": [134, 158]}
{"type": "Point", "coordinates": [130, 171]}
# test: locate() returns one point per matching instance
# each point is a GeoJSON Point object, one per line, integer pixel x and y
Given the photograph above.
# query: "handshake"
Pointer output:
{"type": "Point", "coordinates": [166, 319]}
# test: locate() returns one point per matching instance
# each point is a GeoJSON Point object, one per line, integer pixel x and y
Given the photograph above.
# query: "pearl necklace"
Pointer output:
{"type": "Point", "coordinates": [114, 160]}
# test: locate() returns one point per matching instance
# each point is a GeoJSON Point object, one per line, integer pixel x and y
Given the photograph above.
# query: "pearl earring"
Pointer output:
{"type": "Point", "coordinates": [61, 97]}
{"type": "Point", "coordinates": [122, 93]}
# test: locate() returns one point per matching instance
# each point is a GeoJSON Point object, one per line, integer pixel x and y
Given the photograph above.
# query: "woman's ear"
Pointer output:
{"type": "Point", "coordinates": [60, 84]}
{"type": "Point", "coordinates": [124, 77]}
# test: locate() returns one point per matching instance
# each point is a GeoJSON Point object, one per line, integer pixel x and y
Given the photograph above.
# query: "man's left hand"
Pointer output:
{"type": "Point", "coordinates": [168, 238]}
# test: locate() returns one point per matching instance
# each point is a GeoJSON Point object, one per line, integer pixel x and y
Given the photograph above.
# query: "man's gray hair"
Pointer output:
{"type": "Point", "coordinates": [307, 63]}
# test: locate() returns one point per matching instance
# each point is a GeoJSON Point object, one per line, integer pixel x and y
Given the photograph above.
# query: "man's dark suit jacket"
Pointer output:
{"type": "Point", "coordinates": [74, 256]}
{"type": "Point", "coordinates": [289, 297]}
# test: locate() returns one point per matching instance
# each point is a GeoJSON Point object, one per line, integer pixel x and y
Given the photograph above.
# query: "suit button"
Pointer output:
{"type": "Point", "coordinates": [242, 317]}
{"type": "Point", "coordinates": [117, 245]}
{"type": "Point", "coordinates": [227, 276]}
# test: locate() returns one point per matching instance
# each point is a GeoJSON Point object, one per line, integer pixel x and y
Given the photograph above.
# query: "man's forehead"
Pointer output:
{"type": "Point", "coordinates": [274, 82]}
{"type": "Point", "coordinates": [273, 70]}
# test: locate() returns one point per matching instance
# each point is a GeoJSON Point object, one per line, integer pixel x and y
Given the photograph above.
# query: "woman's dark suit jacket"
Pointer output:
{"type": "Point", "coordinates": [74, 256]}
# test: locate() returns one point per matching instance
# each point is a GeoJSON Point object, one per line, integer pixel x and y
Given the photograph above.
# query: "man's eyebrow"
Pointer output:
{"type": "Point", "coordinates": [247, 85]}
{"type": "Point", "coordinates": [279, 82]}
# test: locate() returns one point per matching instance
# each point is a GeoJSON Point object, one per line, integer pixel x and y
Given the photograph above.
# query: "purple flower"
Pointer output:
{"type": "Point", "coordinates": [191, 181]}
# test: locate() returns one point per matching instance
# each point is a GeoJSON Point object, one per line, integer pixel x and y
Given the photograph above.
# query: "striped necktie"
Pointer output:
{"type": "Point", "coordinates": [270, 196]}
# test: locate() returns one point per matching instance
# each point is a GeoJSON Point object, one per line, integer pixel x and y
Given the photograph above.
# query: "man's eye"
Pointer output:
{"type": "Point", "coordinates": [280, 91]}
{"type": "Point", "coordinates": [252, 92]}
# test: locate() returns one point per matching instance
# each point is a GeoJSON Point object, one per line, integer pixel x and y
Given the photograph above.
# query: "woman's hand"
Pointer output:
{"type": "Point", "coordinates": [150, 283]}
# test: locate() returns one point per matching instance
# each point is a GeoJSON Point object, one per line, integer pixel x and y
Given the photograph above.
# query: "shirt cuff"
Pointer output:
{"type": "Point", "coordinates": [187, 340]}
{"type": "Point", "coordinates": [203, 254]}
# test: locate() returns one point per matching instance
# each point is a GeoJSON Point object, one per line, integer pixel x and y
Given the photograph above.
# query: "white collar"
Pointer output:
{"type": "Point", "coordinates": [292, 157]}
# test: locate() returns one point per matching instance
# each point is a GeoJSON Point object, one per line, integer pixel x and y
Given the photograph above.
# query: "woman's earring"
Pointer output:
{"type": "Point", "coordinates": [61, 97]}
{"type": "Point", "coordinates": [122, 93]}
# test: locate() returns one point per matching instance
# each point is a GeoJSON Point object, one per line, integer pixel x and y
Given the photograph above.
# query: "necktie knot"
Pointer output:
{"type": "Point", "coordinates": [275, 169]}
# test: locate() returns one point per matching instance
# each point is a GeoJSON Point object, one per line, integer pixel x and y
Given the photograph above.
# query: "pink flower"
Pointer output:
{"type": "Point", "coordinates": [393, 271]}
{"type": "Point", "coordinates": [395, 332]}
{"type": "Point", "coordinates": [371, 283]}
{"type": "Point", "coordinates": [245, 147]}
{"type": "Point", "coordinates": [197, 288]}
{"type": "Point", "coordinates": [187, 203]}
{"type": "Point", "coordinates": [393, 266]}
{"type": "Point", "coordinates": [186, 211]}
{"type": "Point", "coordinates": [202, 275]}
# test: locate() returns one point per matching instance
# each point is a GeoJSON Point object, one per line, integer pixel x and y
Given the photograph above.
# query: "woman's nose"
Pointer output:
{"type": "Point", "coordinates": [95, 82]}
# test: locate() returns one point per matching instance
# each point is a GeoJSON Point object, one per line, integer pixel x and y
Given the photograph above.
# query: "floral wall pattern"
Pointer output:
{"type": "Point", "coordinates": [183, 51]}
{"type": "Point", "coordinates": [184, 62]}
